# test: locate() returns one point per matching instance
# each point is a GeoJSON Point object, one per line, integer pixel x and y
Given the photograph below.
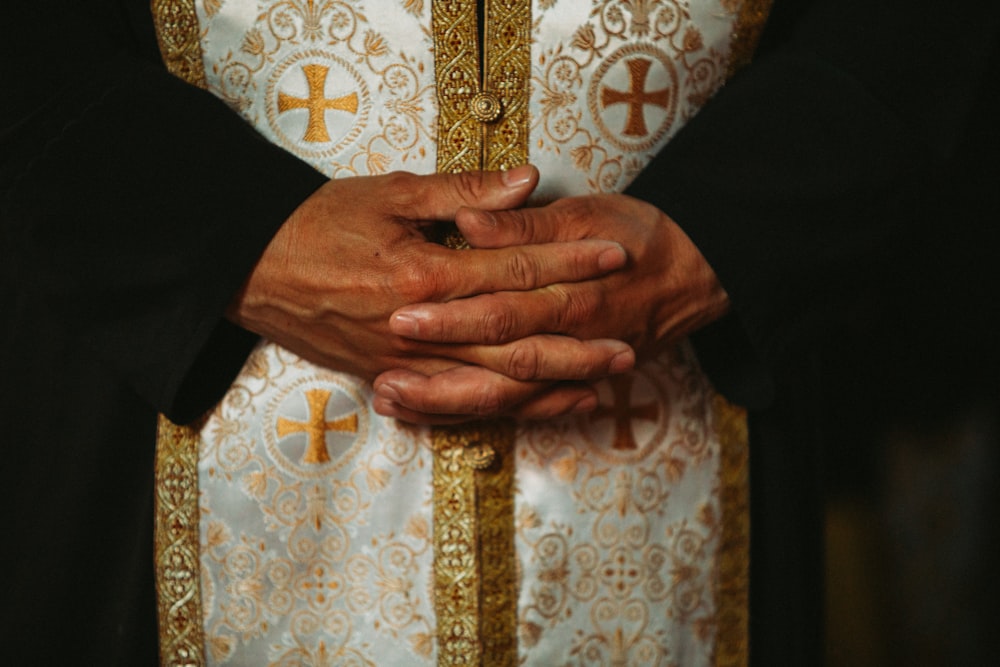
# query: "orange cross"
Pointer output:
{"type": "Point", "coordinates": [636, 98]}
{"type": "Point", "coordinates": [623, 413]}
{"type": "Point", "coordinates": [317, 103]}
{"type": "Point", "coordinates": [317, 426]}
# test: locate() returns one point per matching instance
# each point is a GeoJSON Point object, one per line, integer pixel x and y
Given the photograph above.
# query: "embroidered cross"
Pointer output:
{"type": "Point", "coordinates": [636, 97]}
{"type": "Point", "coordinates": [623, 412]}
{"type": "Point", "coordinates": [317, 426]}
{"type": "Point", "coordinates": [317, 103]}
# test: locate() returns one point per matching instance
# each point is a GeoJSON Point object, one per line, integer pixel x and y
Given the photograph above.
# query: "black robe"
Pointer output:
{"type": "Point", "coordinates": [126, 231]}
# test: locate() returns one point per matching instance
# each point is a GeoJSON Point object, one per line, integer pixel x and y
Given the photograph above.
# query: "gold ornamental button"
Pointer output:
{"type": "Point", "coordinates": [486, 107]}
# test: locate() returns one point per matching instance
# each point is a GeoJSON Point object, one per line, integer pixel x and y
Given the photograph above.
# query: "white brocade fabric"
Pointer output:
{"type": "Point", "coordinates": [316, 522]}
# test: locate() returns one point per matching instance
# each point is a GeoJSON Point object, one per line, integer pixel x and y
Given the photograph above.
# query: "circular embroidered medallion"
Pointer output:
{"type": "Point", "coordinates": [315, 426]}
{"type": "Point", "coordinates": [633, 97]}
{"type": "Point", "coordinates": [631, 420]}
{"type": "Point", "coordinates": [317, 103]}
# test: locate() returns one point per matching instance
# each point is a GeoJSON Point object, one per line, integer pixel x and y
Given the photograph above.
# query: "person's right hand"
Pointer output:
{"type": "Point", "coordinates": [354, 252]}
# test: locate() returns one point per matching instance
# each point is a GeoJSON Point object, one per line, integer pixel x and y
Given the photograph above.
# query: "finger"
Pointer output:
{"type": "Point", "coordinates": [493, 319]}
{"type": "Point", "coordinates": [463, 390]}
{"type": "Point", "coordinates": [445, 398]}
{"type": "Point", "coordinates": [561, 400]}
{"type": "Point", "coordinates": [440, 196]}
{"type": "Point", "coordinates": [550, 358]}
{"type": "Point", "coordinates": [564, 220]}
{"type": "Point", "coordinates": [454, 274]}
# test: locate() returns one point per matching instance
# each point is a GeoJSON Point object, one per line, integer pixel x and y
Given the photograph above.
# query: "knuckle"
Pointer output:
{"type": "Point", "coordinates": [523, 270]}
{"type": "Point", "coordinates": [400, 186]}
{"type": "Point", "coordinates": [524, 362]}
{"type": "Point", "coordinates": [412, 281]}
{"type": "Point", "coordinates": [498, 326]}
{"type": "Point", "coordinates": [469, 186]}
{"type": "Point", "coordinates": [522, 226]}
{"type": "Point", "coordinates": [579, 208]}
{"type": "Point", "coordinates": [578, 307]}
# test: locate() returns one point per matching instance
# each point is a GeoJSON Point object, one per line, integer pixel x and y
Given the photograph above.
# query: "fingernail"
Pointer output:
{"type": "Point", "coordinates": [388, 392]}
{"type": "Point", "coordinates": [518, 176]}
{"type": "Point", "coordinates": [406, 324]}
{"type": "Point", "coordinates": [384, 407]}
{"type": "Point", "coordinates": [585, 405]}
{"type": "Point", "coordinates": [612, 258]}
{"type": "Point", "coordinates": [622, 362]}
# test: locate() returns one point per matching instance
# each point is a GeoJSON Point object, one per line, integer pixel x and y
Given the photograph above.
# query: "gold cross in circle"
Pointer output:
{"type": "Point", "coordinates": [636, 97]}
{"type": "Point", "coordinates": [317, 103]}
{"type": "Point", "coordinates": [317, 426]}
{"type": "Point", "coordinates": [623, 412]}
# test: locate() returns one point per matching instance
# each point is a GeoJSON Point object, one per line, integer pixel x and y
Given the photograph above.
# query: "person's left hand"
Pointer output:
{"type": "Point", "coordinates": [666, 291]}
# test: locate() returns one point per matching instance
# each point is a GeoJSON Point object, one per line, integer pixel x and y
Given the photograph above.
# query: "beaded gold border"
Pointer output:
{"type": "Point", "coordinates": [466, 143]}
{"type": "Point", "coordinates": [176, 522]}
{"type": "Point", "coordinates": [746, 32]}
{"type": "Point", "coordinates": [507, 73]}
{"type": "Point", "coordinates": [176, 537]}
{"type": "Point", "coordinates": [475, 564]}
{"type": "Point", "coordinates": [732, 590]}
{"type": "Point", "coordinates": [177, 28]}
{"type": "Point", "coordinates": [732, 648]}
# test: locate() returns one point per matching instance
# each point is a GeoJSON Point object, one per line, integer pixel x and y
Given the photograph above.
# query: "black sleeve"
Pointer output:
{"type": "Point", "coordinates": [798, 179]}
{"type": "Point", "coordinates": [133, 205]}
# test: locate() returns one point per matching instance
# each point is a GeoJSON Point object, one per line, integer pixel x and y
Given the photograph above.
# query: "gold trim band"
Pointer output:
{"type": "Point", "coordinates": [481, 125]}
{"type": "Point", "coordinates": [176, 537]}
{"type": "Point", "coordinates": [176, 23]}
{"type": "Point", "coordinates": [176, 524]}
{"type": "Point", "coordinates": [733, 584]}
{"type": "Point", "coordinates": [746, 32]}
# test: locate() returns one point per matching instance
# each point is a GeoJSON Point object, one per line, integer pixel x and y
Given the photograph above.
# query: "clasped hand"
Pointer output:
{"type": "Point", "coordinates": [548, 300]}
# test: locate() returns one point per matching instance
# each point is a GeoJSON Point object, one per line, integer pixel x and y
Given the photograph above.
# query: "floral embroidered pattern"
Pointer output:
{"type": "Point", "coordinates": [636, 544]}
{"type": "Point", "coordinates": [293, 560]}
{"type": "Point", "coordinates": [614, 90]}
{"type": "Point", "coordinates": [328, 84]}
{"type": "Point", "coordinates": [316, 533]}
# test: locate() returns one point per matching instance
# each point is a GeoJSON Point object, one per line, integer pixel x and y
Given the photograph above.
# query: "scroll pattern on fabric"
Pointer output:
{"type": "Point", "coordinates": [620, 517]}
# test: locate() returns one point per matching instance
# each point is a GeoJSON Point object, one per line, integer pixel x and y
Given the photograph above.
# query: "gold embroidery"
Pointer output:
{"type": "Point", "coordinates": [176, 546]}
{"type": "Point", "coordinates": [497, 554]}
{"type": "Point", "coordinates": [177, 30]}
{"type": "Point", "coordinates": [457, 75]}
{"type": "Point", "coordinates": [317, 103]}
{"type": "Point", "coordinates": [732, 590]}
{"type": "Point", "coordinates": [644, 558]}
{"type": "Point", "coordinates": [479, 127]}
{"type": "Point", "coordinates": [506, 73]}
{"type": "Point", "coordinates": [475, 571]}
{"type": "Point", "coordinates": [298, 586]}
{"type": "Point", "coordinates": [468, 139]}
{"type": "Point", "coordinates": [317, 426]}
{"type": "Point", "coordinates": [176, 513]}
{"type": "Point", "coordinates": [674, 570]}
{"type": "Point", "coordinates": [746, 32]}
{"type": "Point", "coordinates": [623, 412]}
{"type": "Point", "coordinates": [636, 97]}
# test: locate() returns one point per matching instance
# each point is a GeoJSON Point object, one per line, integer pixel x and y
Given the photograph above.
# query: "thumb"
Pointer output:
{"type": "Point", "coordinates": [442, 195]}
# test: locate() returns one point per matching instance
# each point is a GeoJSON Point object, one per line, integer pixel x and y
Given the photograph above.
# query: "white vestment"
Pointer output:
{"type": "Point", "coordinates": [315, 516]}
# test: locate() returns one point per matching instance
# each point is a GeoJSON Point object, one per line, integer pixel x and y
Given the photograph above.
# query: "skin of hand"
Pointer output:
{"type": "Point", "coordinates": [355, 251]}
{"type": "Point", "coordinates": [666, 291]}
